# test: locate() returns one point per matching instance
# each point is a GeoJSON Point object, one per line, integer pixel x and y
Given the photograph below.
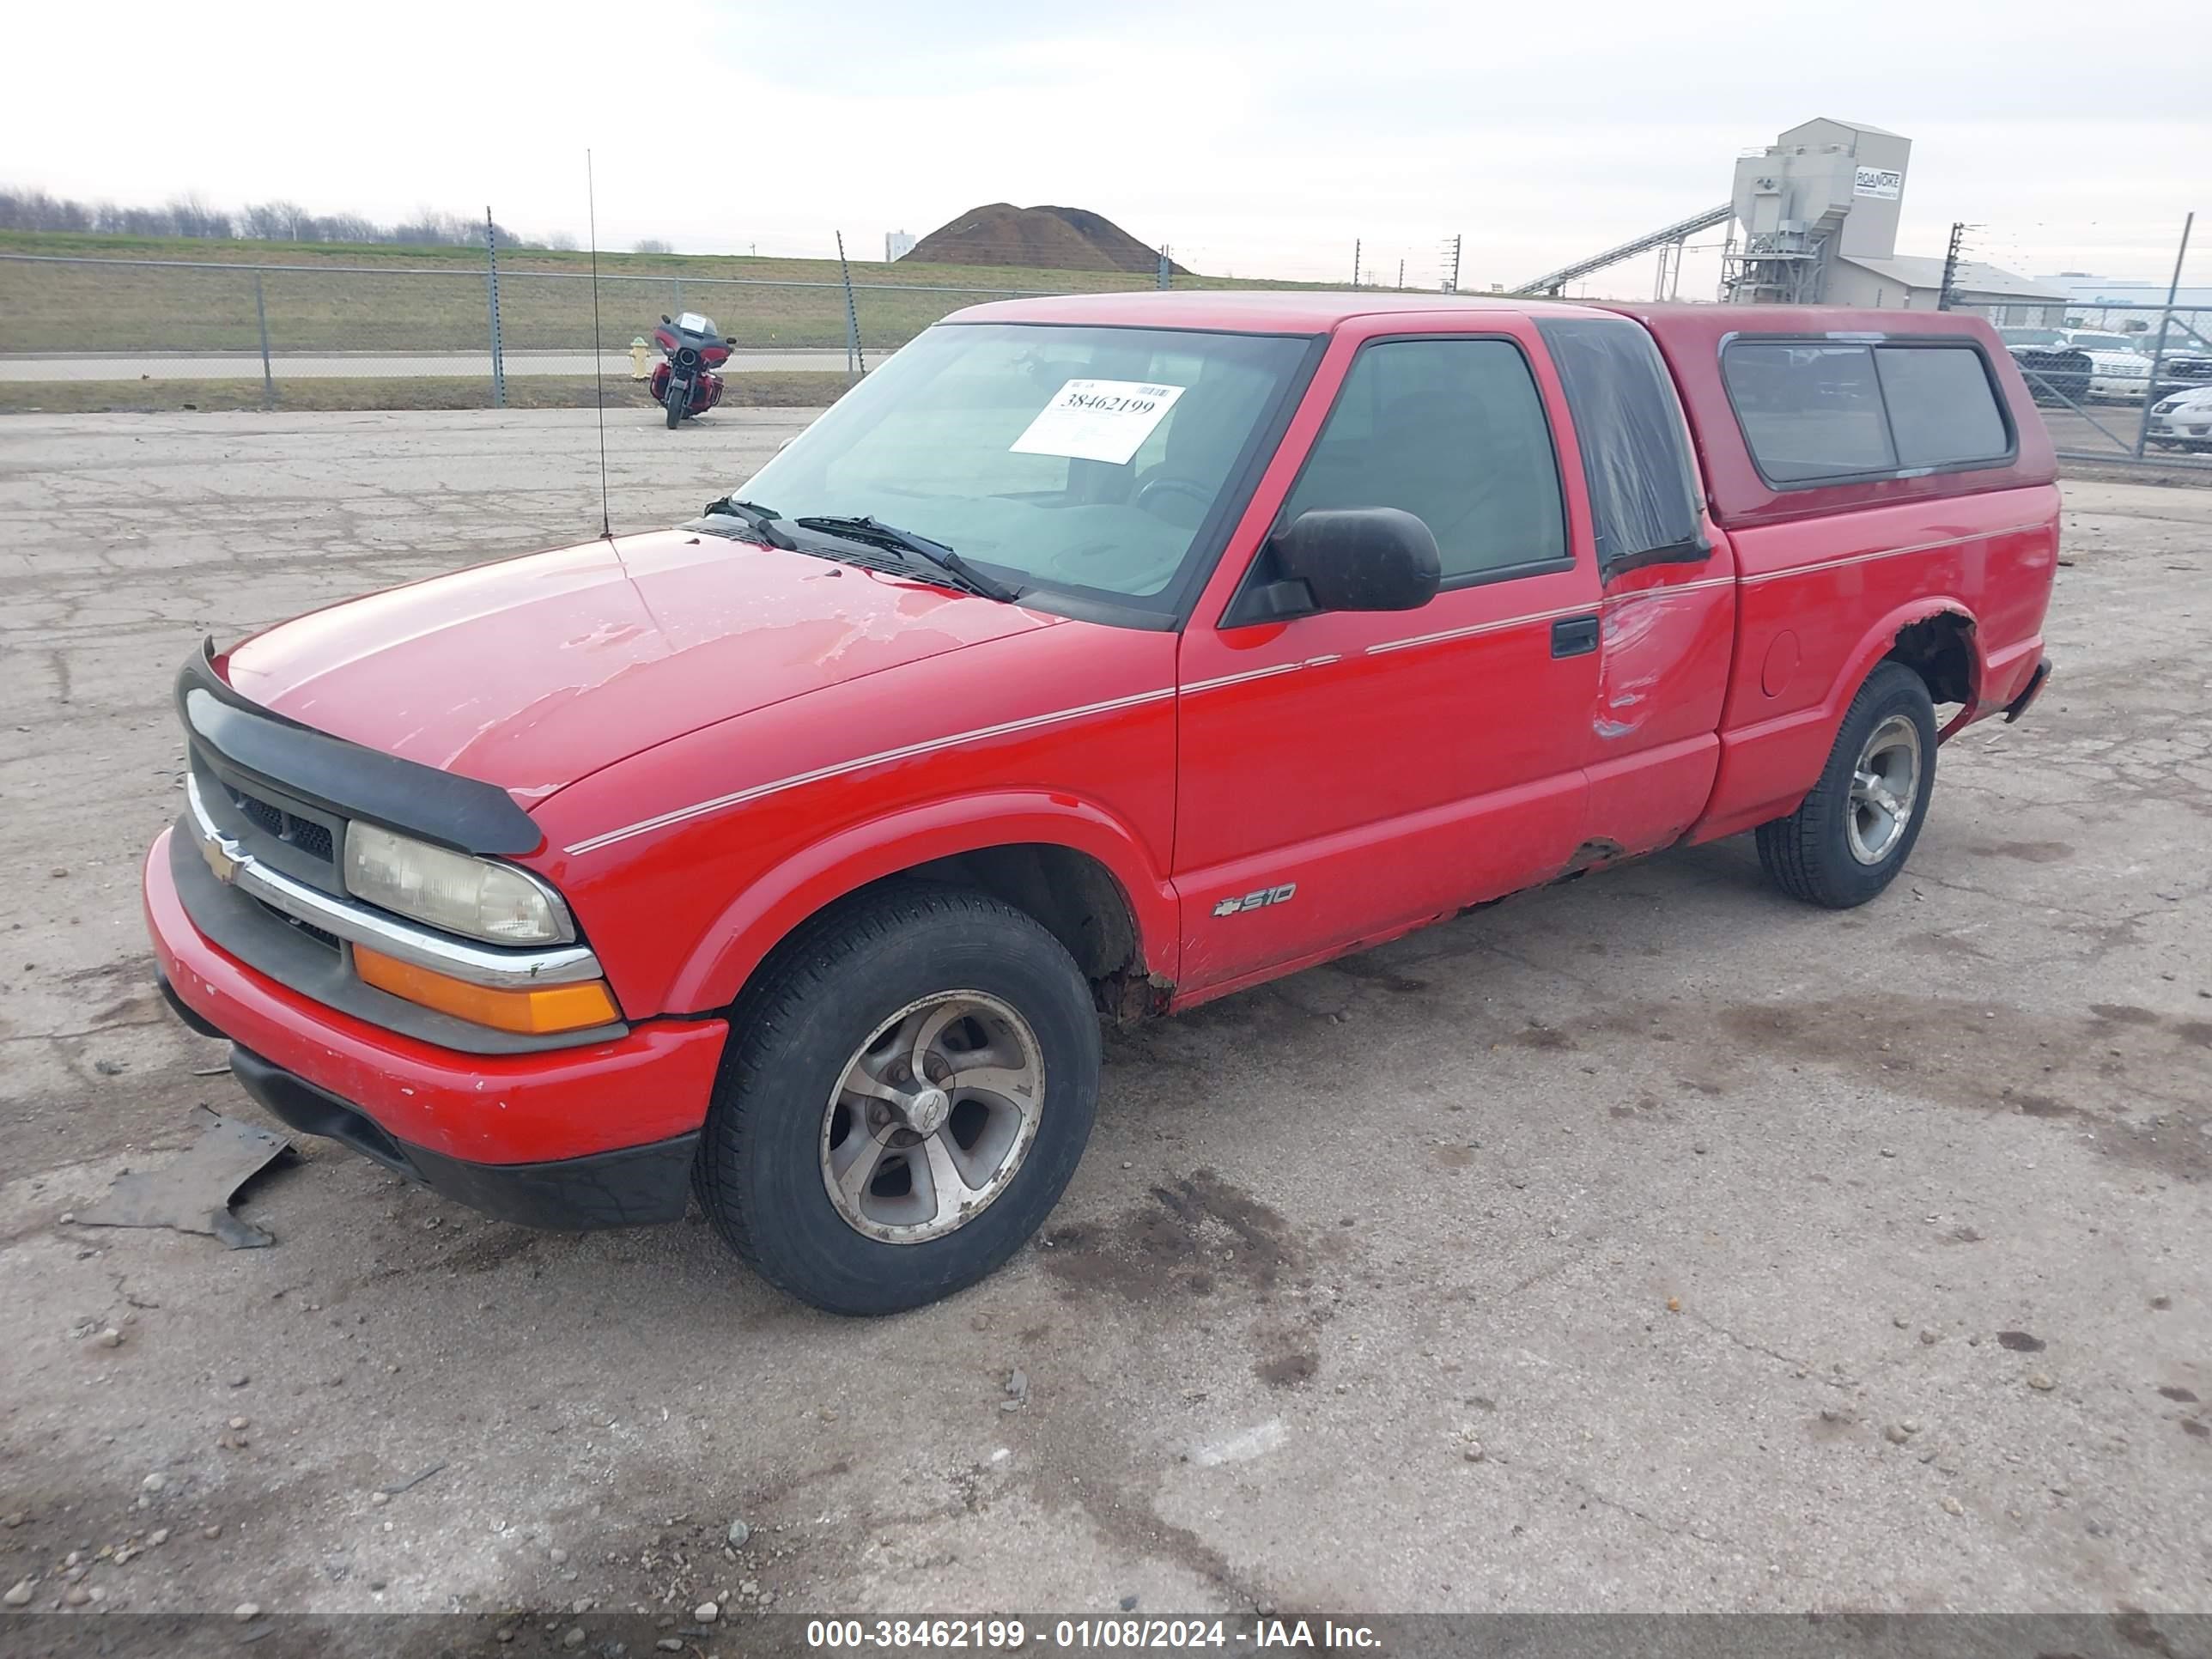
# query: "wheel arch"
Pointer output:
{"type": "Point", "coordinates": [1068, 863]}
{"type": "Point", "coordinates": [1937, 636]}
{"type": "Point", "coordinates": [1943, 647]}
{"type": "Point", "coordinates": [1766, 770]}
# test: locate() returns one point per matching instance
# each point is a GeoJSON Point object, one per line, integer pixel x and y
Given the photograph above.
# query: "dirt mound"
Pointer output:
{"type": "Point", "coordinates": [1047, 238]}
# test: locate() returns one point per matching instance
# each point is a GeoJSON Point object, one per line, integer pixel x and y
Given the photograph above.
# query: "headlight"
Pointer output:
{"type": "Point", "coordinates": [495, 902]}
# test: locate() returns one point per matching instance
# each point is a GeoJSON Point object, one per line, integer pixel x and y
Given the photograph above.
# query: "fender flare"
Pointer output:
{"type": "Point", "coordinates": [1767, 768]}
{"type": "Point", "coordinates": [1882, 639]}
{"type": "Point", "coordinates": [739, 938]}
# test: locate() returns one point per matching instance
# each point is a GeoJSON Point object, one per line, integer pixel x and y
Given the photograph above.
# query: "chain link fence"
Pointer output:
{"type": "Point", "coordinates": [2123, 383]}
{"type": "Point", "coordinates": [2116, 383]}
{"type": "Point", "coordinates": [82, 332]}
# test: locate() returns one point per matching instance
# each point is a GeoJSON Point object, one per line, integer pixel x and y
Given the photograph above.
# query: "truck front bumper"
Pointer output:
{"type": "Point", "coordinates": [597, 1135]}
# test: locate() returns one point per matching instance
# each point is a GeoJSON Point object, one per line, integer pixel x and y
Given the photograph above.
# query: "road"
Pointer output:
{"type": "Point", "coordinates": [1647, 1242]}
{"type": "Point", "coordinates": [246, 365]}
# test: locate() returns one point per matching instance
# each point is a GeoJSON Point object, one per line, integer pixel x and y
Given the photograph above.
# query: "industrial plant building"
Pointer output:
{"type": "Point", "coordinates": [1818, 211]}
{"type": "Point", "coordinates": [1813, 221]}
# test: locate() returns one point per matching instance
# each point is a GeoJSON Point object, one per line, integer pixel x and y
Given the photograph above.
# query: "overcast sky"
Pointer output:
{"type": "Point", "coordinates": [1257, 139]}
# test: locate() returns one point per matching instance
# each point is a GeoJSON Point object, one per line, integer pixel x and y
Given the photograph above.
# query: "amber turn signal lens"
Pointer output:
{"type": "Point", "coordinates": [534, 1013]}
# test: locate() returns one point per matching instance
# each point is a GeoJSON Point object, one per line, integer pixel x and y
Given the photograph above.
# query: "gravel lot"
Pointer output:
{"type": "Point", "coordinates": [1648, 1242]}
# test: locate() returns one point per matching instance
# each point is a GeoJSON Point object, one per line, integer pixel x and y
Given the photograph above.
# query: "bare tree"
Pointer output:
{"type": "Point", "coordinates": [265, 221]}
{"type": "Point", "coordinates": [276, 221]}
{"type": "Point", "coordinates": [190, 216]}
{"type": "Point", "coordinates": [34, 209]}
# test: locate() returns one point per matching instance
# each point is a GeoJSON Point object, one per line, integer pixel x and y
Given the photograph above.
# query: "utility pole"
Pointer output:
{"type": "Point", "coordinates": [854, 362]}
{"type": "Point", "coordinates": [269, 378]}
{"type": "Point", "coordinates": [491, 299]}
{"type": "Point", "coordinates": [1451, 257]}
{"type": "Point", "coordinates": [1949, 292]}
{"type": "Point", "coordinates": [1401, 270]}
{"type": "Point", "coordinates": [1355, 262]}
{"type": "Point", "coordinates": [1166, 268]}
{"type": "Point", "coordinates": [2164, 321]}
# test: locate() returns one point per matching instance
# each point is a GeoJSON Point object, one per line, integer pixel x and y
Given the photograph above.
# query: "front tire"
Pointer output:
{"type": "Point", "coordinates": [678, 395]}
{"type": "Point", "coordinates": [1853, 832]}
{"type": "Point", "coordinates": [907, 1091]}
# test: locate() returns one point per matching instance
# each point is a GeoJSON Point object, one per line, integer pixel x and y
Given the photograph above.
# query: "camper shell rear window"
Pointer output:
{"type": "Point", "coordinates": [1825, 410]}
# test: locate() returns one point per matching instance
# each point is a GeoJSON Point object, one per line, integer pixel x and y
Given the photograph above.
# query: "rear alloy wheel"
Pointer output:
{"type": "Point", "coordinates": [907, 1088]}
{"type": "Point", "coordinates": [1854, 830]}
{"type": "Point", "coordinates": [1885, 790]}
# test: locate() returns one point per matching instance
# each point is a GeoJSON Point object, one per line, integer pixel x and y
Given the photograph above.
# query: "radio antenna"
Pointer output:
{"type": "Point", "coordinates": [599, 362]}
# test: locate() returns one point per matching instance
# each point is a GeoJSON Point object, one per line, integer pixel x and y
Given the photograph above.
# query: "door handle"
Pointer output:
{"type": "Point", "coordinates": [1574, 636]}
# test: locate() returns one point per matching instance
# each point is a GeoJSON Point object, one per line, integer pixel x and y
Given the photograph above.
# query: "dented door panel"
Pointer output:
{"type": "Point", "coordinates": [1651, 751]}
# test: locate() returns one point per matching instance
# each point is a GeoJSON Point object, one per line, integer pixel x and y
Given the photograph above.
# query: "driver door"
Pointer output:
{"type": "Point", "coordinates": [1344, 777]}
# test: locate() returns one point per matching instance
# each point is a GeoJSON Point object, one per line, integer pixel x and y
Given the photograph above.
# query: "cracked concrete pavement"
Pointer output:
{"type": "Point", "coordinates": [1775, 1259]}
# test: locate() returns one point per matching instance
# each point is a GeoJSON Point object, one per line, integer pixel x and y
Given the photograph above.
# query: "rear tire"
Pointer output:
{"type": "Point", "coordinates": [1854, 830]}
{"type": "Point", "coordinates": [853, 996]}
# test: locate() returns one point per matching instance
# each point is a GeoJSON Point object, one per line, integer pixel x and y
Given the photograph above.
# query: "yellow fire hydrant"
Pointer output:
{"type": "Point", "coordinates": [640, 358]}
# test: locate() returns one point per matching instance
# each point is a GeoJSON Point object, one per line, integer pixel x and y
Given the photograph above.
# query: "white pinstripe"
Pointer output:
{"type": "Point", "coordinates": [739, 798]}
{"type": "Point", "coordinates": [1885, 553]}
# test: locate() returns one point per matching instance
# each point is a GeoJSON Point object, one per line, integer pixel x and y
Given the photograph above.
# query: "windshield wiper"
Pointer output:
{"type": "Point", "coordinates": [765, 519]}
{"type": "Point", "coordinates": [936, 554]}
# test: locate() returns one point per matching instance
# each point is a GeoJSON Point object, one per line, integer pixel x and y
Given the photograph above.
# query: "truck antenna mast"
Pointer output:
{"type": "Point", "coordinates": [599, 362]}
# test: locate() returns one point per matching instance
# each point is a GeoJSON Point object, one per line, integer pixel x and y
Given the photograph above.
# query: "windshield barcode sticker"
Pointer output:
{"type": "Point", "coordinates": [1099, 420]}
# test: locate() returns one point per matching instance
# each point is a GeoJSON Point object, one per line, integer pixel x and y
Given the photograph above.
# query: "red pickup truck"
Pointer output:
{"type": "Point", "coordinates": [1095, 656]}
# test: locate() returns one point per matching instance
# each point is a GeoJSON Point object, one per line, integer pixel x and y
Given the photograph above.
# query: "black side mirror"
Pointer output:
{"type": "Point", "coordinates": [729, 340]}
{"type": "Point", "coordinates": [663, 316]}
{"type": "Point", "coordinates": [1355, 558]}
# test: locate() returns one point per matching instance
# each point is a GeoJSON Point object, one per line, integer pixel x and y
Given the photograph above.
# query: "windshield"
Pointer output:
{"type": "Point", "coordinates": [1081, 459]}
{"type": "Point", "coordinates": [693, 322]}
{"type": "Point", "coordinates": [2105, 342]}
{"type": "Point", "coordinates": [2031, 336]}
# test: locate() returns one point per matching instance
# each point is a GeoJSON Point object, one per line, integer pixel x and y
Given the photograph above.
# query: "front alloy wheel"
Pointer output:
{"type": "Point", "coordinates": [932, 1117]}
{"type": "Point", "coordinates": [908, 1085]}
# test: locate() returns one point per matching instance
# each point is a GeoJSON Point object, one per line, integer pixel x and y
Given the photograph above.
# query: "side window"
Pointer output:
{"type": "Point", "coordinates": [1452, 431]}
{"type": "Point", "coordinates": [1644, 495]}
{"type": "Point", "coordinates": [1808, 411]}
{"type": "Point", "coordinates": [1942, 409]}
{"type": "Point", "coordinates": [1812, 410]}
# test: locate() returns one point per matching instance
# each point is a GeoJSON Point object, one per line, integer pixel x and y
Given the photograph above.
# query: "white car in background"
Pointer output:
{"type": "Point", "coordinates": [2184, 420]}
{"type": "Point", "coordinates": [2120, 367]}
{"type": "Point", "coordinates": [2118, 371]}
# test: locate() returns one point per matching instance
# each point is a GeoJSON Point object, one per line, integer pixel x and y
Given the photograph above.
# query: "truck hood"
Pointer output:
{"type": "Point", "coordinates": [532, 673]}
